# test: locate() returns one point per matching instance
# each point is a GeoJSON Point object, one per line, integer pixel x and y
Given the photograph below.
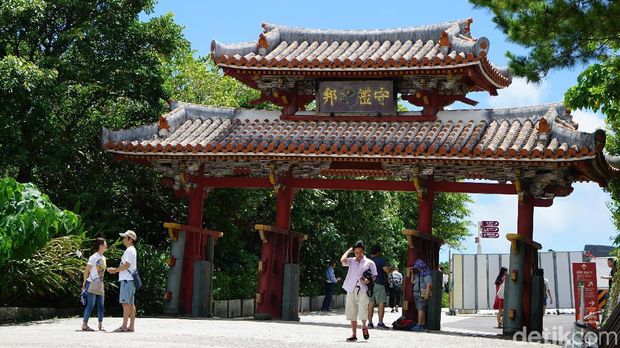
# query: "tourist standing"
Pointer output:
{"type": "Point", "coordinates": [395, 280]}
{"type": "Point", "coordinates": [128, 266]}
{"type": "Point", "coordinates": [499, 296]}
{"type": "Point", "coordinates": [422, 287]}
{"type": "Point", "coordinates": [93, 284]}
{"type": "Point", "coordinates": [330, 281]}
{"type": "Point", "coordinates": [355, 284]}
{"type": "Point", "coordinates": [379, 294]}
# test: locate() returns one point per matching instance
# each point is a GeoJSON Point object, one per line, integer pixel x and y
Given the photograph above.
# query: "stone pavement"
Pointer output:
{"type": "Point", "coordinates": [313, 330]}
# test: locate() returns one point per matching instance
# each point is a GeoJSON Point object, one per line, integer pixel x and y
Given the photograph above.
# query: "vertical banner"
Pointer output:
{"type": "Point", "coordinates": [584, 274]}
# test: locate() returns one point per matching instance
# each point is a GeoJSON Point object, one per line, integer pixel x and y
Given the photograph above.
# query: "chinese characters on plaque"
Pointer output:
{"type": "Point", "coordinates": [369, 97]}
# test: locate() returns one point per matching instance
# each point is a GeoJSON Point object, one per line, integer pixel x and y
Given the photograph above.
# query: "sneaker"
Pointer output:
{"type": "Point", "coordinates": [418, 328]}
{"type": "Point", "coordinates": [382, 326]}
{"type": "Point", "coordinates": [352, 339]}
{"type": "Point", "coordinates": [371, 326]}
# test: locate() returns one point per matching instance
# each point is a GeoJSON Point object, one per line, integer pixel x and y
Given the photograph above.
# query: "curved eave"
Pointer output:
{"type": "Point", "coordinates": [490, 73]}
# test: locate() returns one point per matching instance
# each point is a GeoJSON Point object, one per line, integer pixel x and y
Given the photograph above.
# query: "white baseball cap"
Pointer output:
{"type": "Point", "coordinates": [129, 233]}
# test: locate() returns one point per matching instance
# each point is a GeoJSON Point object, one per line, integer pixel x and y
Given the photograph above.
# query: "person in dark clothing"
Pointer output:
{"type": "Point", "coordinates": [612, 263]}
{"type": "Point", "coordinates": [379, 295]}
{"type": "Point", "coordinates": [330, 281]}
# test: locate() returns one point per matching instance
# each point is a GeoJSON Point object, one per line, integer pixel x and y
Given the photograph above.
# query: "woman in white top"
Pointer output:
{"type": "Point", "coordinates": [93, 283]}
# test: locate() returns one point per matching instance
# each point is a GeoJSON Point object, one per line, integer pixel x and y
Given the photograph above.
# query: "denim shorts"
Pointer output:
{"type": "Point", "coordinates": [420, 304]}
{"type": "Point", "coordinates": [127, 292]}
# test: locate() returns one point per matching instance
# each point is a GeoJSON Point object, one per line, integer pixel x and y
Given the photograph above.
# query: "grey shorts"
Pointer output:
{"type": "Point", "coordinates": [127, 292]}
{"type": "Point", "coordinates": [379, 295]}
{"type": "Point", "coordinates": [419, 302]}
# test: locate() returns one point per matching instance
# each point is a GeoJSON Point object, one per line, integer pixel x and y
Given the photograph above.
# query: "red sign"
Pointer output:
{"type": "Point", "coordinates": [489, 229]}
{"type": "Point", "coordinates": [489, 223]}
{"type": "Point", "coordinates": [584, 273]}
{"type": "Point", "coordinates": [490, 235]}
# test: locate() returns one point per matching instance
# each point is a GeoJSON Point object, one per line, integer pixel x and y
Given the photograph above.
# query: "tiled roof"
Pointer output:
{"type": "Point", "coordinates": [446, 44]}
{"type": "Point", "coordinates": [543, 132]}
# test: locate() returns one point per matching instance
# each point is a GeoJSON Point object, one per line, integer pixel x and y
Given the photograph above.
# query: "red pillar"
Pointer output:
{"type": "Point", "coordinates": [420, 247]}
{"type": "Point", "coordinates": [278, 250]}
{"type": "Point", "coordinates": [525, 228]}
{"type": "Point", "coordinates": [194, 247]}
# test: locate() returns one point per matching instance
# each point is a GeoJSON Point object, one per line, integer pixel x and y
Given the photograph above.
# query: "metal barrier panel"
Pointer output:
{"type": "Point", "coordinates": [493, 261]}
{"type": "Point", "coordinates": [482, 286]}
{"type": "Point", "coordinates": [457, 283]}
{"type": "Point", "coordinates": [469, 281]}
{"type": "Point", "coordinates": [473, 278]}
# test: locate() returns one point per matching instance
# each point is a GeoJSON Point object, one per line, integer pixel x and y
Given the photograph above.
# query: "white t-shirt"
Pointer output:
{"type": "Point", "coordinates": [547, 287]}
{"type": "Point", "coordinates": [130, 256]}
{"type": "Point", "coordinates": [97, 264]}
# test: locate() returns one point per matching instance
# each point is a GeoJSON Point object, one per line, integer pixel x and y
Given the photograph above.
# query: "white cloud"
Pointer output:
{"type": "Point", "coordinates": [519, 93]}
{"type": "Point", "coordinates": [588, 122]}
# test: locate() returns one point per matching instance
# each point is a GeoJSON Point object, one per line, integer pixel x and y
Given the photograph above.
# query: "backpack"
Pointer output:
{"type": "Point", "coordinates": [402, 324]}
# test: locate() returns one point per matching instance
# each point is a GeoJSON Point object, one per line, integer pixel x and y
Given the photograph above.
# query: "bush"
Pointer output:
{"type": "Point", "coordinates": [52, 277]}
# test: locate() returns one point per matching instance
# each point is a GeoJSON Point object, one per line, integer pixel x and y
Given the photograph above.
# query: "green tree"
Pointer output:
{"type": "Point", "coordinates": [67, 69]}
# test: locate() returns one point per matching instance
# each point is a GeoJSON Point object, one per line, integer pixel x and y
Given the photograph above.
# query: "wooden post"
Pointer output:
{"type": "Point", "coordinates": [276, 251]}
{"type": "Point", "coordinates": [194, 248]}
{"type": "Point", "coordinates": [525, 229]}
{"type": "Point", "coordinates": [420, 248]}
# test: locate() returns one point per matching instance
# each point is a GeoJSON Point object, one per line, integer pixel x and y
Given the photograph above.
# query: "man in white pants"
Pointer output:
{"type": "Point", "coordinates": [356, 287]}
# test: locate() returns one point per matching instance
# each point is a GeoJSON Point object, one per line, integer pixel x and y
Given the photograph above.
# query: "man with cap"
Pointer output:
{"type": "Point", "coordinates": [129, 265]}
{"type": "Point", "coordinates": [356, 286]}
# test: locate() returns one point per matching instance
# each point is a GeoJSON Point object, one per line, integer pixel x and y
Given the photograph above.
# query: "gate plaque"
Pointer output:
{"type": "Point", "coordinates": [348, 97]}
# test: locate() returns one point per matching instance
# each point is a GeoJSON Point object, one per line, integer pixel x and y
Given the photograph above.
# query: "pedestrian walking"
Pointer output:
{"type": "Point", "coordinates": [499, 296]}
{"type": "Point", "coordinates": [330, 282]}
{"type": "Point", "coordinates": [93, 284]}
{"type": "Point", "coordinates": [395, 281]}
{"type": "Point", "coordinates": [362, 271]}
{"type": "Point", "coordinates": [126, 271]}
{"type": "Point", "coordinates": [379, 294]}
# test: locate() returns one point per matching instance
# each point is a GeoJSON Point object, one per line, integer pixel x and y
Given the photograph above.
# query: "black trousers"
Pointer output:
{"type": "Point", "coordinates": [394, 294]}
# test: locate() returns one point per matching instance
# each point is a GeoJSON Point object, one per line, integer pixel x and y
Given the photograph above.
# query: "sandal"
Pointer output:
{"type": "Point", "coordinates": [130, 330]}
{"type": "Point", "coordinates": [120, 329]}
{"type": "Point", "coordinates": [352, 339]}
{"type": "Point", "coordinates": [87, 329]}
{"type": "Point", "coordinates": [365, 332]}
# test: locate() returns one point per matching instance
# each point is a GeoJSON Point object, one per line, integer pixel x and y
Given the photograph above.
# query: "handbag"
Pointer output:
{"type": "Point", "coordinates": [137, 282]}
{"type": "Point", "coordinates": [95, 287]}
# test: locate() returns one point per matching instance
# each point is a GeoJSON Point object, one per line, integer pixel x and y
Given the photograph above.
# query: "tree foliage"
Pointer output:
{"type": "Point", "coordinates": [28, 219]}
{"type": "Point", "coordinates": [558, 34]}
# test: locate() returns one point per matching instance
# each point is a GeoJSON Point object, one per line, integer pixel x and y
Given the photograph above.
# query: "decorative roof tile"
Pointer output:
{"type": "Point", "coordinates": [445, 44]}
{"type": "Point", "coordinates": [539, 132]}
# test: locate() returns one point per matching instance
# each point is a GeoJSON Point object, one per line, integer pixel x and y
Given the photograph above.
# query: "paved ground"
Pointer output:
{"type": "Point", "coordinates": [314, 330]}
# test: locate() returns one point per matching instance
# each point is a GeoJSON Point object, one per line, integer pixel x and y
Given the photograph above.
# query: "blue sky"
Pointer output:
{"type": "Point", "coordinates": [582, 218]}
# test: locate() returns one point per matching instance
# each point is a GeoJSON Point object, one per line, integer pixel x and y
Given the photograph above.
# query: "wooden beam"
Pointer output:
{"type": "Point", "coordinates": [359, 185]}
{"type": "Point", "coordinates": [472, 187]}
{"type": "Point", "coordinates": [235, 182]}
{"type": "Point", "coordinates": [268, 228]}
{"type": "Point", "coordinates": [172, 226]}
